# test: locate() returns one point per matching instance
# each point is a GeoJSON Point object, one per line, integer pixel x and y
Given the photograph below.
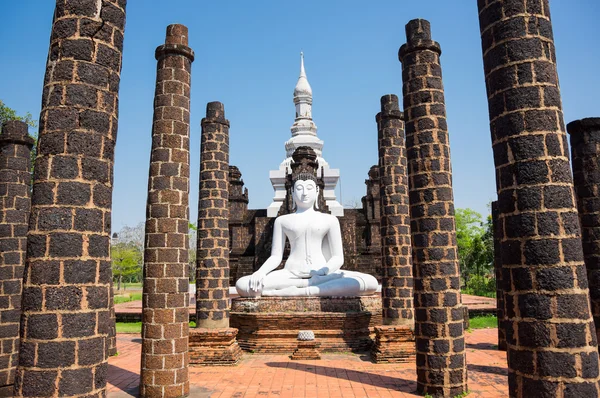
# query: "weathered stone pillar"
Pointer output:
{"type": "Point", "coordinates": [395, 340]}
{"type": "Point", "coordinates": [164, 371]}
{"type": "Point", "coordinates": [585, 155]}
{"type": "Point", "coordinates": [441, 367]}
{"type": "Point", "coordinates": [213, 341]}
{"type": "Point", "coordinates": [66, 290]}
{"type": "Point", "coordinates": [551, 339]}
{"type": "Point", "coordinates": [15, 205]}
{"type": "Point", "coordinates": [499, 273]}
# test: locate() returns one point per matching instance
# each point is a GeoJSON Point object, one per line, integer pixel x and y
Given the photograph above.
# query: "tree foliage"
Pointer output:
{"type": "Point", "coordinates": [475, 240]}
{"type": "Point", "coordinates": [127, 263]}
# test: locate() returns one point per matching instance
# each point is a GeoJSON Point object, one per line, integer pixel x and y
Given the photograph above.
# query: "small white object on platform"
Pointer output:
{"type": "Point", "coordinates": [306, 335]}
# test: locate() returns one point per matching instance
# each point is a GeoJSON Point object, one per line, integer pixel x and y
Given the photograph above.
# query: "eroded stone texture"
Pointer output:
{"type": "Point", "coordinates": [551, 338]}
{"type": "Point", "coordinates": [15, 205]}
{"type": "Point", "coordinates": [164, 371]}
{"type": "Point", "coordinates": [212, 264]}
{"type": "Point", "coordinates": [397, 281]}
{"type": "Point", "coordinates": [441, 367]}
{"type": "Point", "coordinates": [66, 290]}
{"type": "Point", "coordinates": [212, 271]}
{"type": "Point", "coordinates": [499, 272]}
{"type": "Point", "coordinates": [585, 155]}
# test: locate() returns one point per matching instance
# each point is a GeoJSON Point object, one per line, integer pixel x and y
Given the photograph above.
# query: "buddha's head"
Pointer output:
{"type": "Point", "coordinates": [305, 192]}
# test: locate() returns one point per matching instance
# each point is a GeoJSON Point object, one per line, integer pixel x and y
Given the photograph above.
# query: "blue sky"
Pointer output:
{"type": "Point", "coordinates": [247, 56]}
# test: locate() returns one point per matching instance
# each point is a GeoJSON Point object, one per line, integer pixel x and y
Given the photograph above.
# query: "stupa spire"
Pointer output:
{"type": "Point", "coordinates": [302, 91]}
{"type": "Point", "coordinates": [304, 133]}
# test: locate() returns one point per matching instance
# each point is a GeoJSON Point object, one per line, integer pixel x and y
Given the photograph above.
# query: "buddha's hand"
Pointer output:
{"type": "Point", "coordinates": [256, 280]}
{"type": "Point", "coordinates": [319, 272]}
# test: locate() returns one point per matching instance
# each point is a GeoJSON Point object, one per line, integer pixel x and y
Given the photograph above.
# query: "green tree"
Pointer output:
{"type": "Point", "coordinates": [474, 238]}
{"type": "Point", "coordinates": [126, 262]}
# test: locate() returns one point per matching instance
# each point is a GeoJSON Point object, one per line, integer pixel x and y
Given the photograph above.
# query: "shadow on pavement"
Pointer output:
{"type": "Point", "coordinates": [377, 380]}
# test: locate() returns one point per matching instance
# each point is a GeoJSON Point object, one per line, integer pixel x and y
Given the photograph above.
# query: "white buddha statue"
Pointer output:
{"type": "Point", "coordinates": [316, 256]}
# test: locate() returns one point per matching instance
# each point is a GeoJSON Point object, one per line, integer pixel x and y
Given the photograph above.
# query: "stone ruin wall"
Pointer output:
{"type": "Point", "coordinates": [250, 231]}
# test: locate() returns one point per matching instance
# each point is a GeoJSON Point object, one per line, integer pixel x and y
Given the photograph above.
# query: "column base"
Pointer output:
{"type": "Point", "coordinates": [393, 344]}
{"type": "Point", "coordinates": [214, 346]}
{"type": "Point", "coordinates": [307, 350]}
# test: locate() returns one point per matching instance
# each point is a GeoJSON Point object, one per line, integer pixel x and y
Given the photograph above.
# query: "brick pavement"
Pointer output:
{"type": "Point", "coordinates": [336, 375]}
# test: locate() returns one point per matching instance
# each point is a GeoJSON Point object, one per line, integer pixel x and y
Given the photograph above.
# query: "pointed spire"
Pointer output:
{"type": "Point", "coordinates": [302, 71]}
{"type": "Point", "coordinates": [302, 89]}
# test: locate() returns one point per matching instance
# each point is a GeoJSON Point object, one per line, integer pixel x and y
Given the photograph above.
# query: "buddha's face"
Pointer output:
{"type": "Point", "coordinates": [305, 193]}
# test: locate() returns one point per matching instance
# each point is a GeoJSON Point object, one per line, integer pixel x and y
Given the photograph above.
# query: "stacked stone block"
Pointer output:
{"type": "Point", "coordinates": [551, 338]}
{"type": "Point", "coordinates": [212, 266]}
{"type": "Point", "coordinates": [397, 281]}
{"type": "Point", "coordinates": [164, 371]}
{"type": "Point", "coordinates": [441, 367]}
{"type": "Point", "coordinates": [15, 205]}
{"type": "Point", "coordinates": [585, 155]}
{"type": "Point", "coordinates": [212, 308]}
{"type": "Point", "coordinates": [66, 291]}
{"type": "Point", "coordinates": [499, 273]}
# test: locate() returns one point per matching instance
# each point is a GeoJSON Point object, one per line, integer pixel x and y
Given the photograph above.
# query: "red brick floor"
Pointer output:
{"type": "Point", "coordinates": [336, 375]}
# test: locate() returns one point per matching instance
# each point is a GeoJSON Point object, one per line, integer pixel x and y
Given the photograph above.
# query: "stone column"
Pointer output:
{"type": "Point", "coordinates": [66, 319]}
{"type": "Point", "coordinates": [164, 371]}
{"type": "Point", "coordinates": [498, 271]}
{"type": "Point", "coordinates": [15, 205]}
{"type": "Point", "coordinates": [441, 367]}
{"type": "Point", "coordinates": [585, 155]}
{"type": "Point", "coordinates": [394, 342]}
{"type": "Point", "coordinates": [213, 341]}
{"type": "Point", "coordinates": [551, 338]}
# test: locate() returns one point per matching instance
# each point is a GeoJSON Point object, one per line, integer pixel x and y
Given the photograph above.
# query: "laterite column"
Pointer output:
{"type": "Point", "coordinates": [499, 272]}
{"type": "Point", "coordinates": [15, 205]}
{"type": "Point", "coordinates": [585, 155]}
{"type": "Point", "coordinates": [164, 371]}
{"type": "Point", "coordinates": [395, 341]}
{"type": "Point", "coordinates": [439, 331]}
{"type": "Point", "coordinates": [213, 341]}
{"type": "Point", "coordinates": [551, 338]}
{"type": "Point", "coordinates": [66, 321]}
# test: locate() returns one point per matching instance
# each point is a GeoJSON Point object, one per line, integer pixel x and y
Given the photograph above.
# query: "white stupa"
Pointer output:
{"type": "Point", "coordinates": [304, 133]}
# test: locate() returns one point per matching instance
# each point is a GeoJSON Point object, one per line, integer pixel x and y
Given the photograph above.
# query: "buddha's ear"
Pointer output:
{"type": "Point", "coordinates": [317, 200]}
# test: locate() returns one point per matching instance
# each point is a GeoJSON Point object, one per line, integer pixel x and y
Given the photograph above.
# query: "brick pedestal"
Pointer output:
{"type": "Point", "coordinates": [441, 366]}
{"type": "Point", "coordinates": [271, 324]}
{"type": "Point", "coordinates": [164, 371]}
{"type": "Point", "coordinates": [585, 155]}
{"type": "Point", "coordinates": [15, 205]}
{"type": "Point", "coordinates": [214, 346]}
{"type": "Point", "coordinates": [66, 291]}
{"type": "Point", "coordinates": [393, 344]}
{"type": "Point", "coordinates": [212, 264]}
{"type": "Point", "coordinates": [551, 338]}
{"type": "Point", "coordinates": [307, 350]}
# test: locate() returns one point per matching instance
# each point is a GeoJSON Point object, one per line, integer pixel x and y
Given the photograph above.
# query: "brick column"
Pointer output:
{"type": "Point", "coordinates": [213, 341]}
{"type": "Point", "coordinates": [441, 367]}
{"type": "Point", "coordinates": [394, 343]}
{"type": "Point", "coordinates": [66, 290]}
{"type": "Point", "coordinates": [585, 155]}
{"type": "Point", "coordinates": [15, 205]}
{"type": "Point", "coordinates": [551, 341]}
{"type": "Point", "coordinates": [164, 371]}
{"type": "Point", "coordinates": [499, 272]}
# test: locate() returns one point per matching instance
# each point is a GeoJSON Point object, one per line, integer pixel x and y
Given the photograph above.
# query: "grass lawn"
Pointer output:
{"type": "Point", "coordinates": [128, 297]}
{"type": "Point", "coordinates": [483, 322]}
{"type": "Point", "coordinates": [136, 327]}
